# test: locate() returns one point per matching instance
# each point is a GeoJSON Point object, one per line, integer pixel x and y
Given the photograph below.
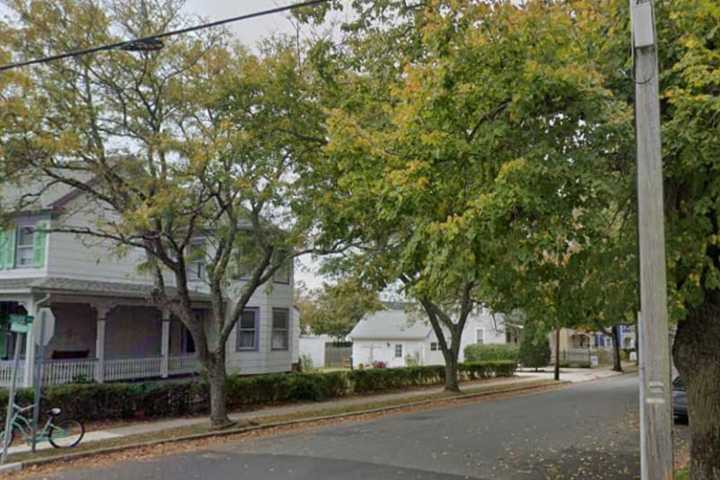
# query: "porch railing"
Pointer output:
{"type": "Point", "coordinates": [132, 368]}
{"type": "Point", "coordinates": [183, 365]}
{"type": "Point", "coordinates": [57, 372]}
{"type": "Point", "coordinates": [6, 368]}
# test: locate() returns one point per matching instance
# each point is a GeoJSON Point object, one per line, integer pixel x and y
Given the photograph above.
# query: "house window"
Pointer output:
{"type": "Point", "coordinates": [196, 261]}
{"type": "Point", "coordinates": [281, 329]}
{"type": "Point", "coordinates": [433, 346]}
{"type": "Point", "coordinates": [247, 333]}
{"type": "Point", "coordinates": [480, 336]}
{"type": "Point", "coordinates": [282, 275]}
{"type": "Point", "coordinates": [608, 342]}
{"type": "Point", "coordinates": [24, 247]}
{"type": "Point", "coordinates": [398, 351]}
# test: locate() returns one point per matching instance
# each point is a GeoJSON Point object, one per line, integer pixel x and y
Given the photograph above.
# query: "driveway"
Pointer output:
{"type": "Point", "coordinates": [585, 431]}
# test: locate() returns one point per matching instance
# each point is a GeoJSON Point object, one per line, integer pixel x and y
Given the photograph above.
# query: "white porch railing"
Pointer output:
{"type": "Point", "coordinates": [56, 372]}
{"type": "Point", "coordinates": [132, 368]}
{"type": "Point", "coordinates": [6, 368]}
{"type": "Point", "coordinates": [183, 365]}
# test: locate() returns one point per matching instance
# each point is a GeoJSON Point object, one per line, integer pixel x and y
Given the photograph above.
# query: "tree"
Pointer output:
{"type": "Point", "coordinates": [534, 347]}
{"type": "Point", "coordinates": [688, 38]}
{"type": "Point", "coordinates": [201, 140]}
{"type": "Point", "coordinates": [335, 309]}
{"type": "Point", "coordinates": [461, 159]}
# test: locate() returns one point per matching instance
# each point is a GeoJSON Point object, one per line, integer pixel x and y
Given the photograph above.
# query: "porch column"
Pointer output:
{"type": "Point", "coordinates": [27, 378]}
{"type": "Point", "coordinates": [102, 312]}
{"type": "Point", "coordinates": [165, 345]}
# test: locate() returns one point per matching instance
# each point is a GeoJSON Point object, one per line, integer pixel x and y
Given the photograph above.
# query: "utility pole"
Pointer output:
{"type": "Point", "coordinates": [655, 396]}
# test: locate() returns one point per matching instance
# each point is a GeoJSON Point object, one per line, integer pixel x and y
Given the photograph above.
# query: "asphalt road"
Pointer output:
{"type": "Point", "coordinates": [586, 431]}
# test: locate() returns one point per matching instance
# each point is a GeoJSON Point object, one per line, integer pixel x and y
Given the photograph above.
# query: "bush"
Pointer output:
{"type": "Point", "coordinates": [534, 354]}
{"type": "Point", "coordinates": [113, 401]}
{"type": "Point", "coordinates": [491, 353]}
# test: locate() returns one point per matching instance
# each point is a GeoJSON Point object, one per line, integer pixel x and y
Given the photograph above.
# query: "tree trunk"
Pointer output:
{"type": "Point", "coordinates": [617, 361]}
{"type": "Point", "coordinates": [451, 372]}
{"type": "Point", "coordinates": [557, 354]}
{"type": "Point", "coordinates": [216, 379]}
{"type": "Point", "coordinates": [697, 357]}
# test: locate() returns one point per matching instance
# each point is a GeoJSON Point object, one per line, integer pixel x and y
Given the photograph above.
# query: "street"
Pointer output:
{"type": "Point", "coordinates": [585, 431]}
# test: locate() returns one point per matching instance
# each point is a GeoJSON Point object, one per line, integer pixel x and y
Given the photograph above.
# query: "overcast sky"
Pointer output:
{"type": "Point", "coordinates": [248, 31]}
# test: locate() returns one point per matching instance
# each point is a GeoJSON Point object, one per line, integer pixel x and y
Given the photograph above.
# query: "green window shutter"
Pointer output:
{"type": "Point", "coordinates": [7, 249]}
{"type": "Point", "coordinates": [10, 251]}
{"type": "Point", "coordinates": [39, 243]}
{"type": "Point", "coordinates": [3, 246]}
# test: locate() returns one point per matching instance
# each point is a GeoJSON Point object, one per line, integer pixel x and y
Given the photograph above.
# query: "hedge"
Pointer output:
{"type": "Point", "coordinates": [112, 401]}
{"type": "Point", "coordinates": [491, 353]}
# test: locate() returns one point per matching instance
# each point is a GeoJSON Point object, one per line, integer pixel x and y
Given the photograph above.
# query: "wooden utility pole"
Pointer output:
{"type": "Point", "coordinates": [655, 396]}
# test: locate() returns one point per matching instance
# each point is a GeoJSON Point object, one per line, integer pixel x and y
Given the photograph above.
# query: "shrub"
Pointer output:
{"type": "Point", "coordinates": [534, 354]}
{"type": "Point", "coordinates": [306, 363]}
{"type": "Point", "coordinates": [379, 364]}
{"type": "Point", "coordinates": [112, 401]}
{"type": "Point", "coordinates": [491, 353]}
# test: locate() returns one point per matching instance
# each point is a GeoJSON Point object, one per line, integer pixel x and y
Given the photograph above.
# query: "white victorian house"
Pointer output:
{"type": "Point", "coordinates": [400, 336]}
{"type": "Point", "coordinates": [100, 324]}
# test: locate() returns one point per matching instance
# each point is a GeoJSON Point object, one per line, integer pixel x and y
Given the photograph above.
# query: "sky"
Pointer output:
{"type": "Point", "coordinates": [249, 32]}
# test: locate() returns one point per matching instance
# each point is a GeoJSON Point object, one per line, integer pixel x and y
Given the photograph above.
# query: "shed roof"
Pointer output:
{"type": "Point", "coordinates": [391, 323]}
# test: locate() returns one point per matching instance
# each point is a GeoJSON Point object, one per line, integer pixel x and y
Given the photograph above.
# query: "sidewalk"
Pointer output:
{"type": "Point", "coordinates": [307, 409]}
{"type": "Point", "coordinates": [576, 375]}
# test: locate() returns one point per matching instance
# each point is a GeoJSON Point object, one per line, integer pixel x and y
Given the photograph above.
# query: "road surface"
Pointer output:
{"type": "Point", "coordinates": [586, 431]}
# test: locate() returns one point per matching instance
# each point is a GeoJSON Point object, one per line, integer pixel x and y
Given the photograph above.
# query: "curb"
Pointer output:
{"type": "Point", "coordinates": [540, 385]}
{"type": "Point", "coordinates": [10, 467]}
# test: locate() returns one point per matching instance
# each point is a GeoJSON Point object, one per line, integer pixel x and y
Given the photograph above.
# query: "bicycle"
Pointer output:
{"type": "Point", "coordinates": [66, 433]}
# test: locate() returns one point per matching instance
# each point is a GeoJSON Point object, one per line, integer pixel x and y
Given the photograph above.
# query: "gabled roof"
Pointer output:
{"type": "Point", "coordinates": [392, 323]}
{"type": "Point", "coordinates": [40, 193]}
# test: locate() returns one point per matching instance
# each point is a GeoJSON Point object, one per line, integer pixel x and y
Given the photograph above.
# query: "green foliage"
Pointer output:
{"type": "Point", "coordinates": [335, 309]}
{"type": "Point", "coordinates": [113, 401]}
{"type": "Point", "coordinates": [490, 353]}
{"type": "Point", "coordinates": [381, 379]}
{"type": "Point", "coordinates": [534, 347]}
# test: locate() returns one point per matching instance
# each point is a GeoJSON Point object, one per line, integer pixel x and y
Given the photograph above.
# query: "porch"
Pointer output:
{"type": "Point", "coordinates": [98, 339]}
{"type": "Point", "coordinates": [57, 372]}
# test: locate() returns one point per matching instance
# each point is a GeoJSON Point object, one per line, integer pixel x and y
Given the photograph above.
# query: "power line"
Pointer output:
{"type": "Point", "coordinates": [153, 39]}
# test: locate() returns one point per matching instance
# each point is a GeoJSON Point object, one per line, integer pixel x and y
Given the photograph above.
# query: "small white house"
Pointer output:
{"type": "Point", "coordinates": [399, 337]}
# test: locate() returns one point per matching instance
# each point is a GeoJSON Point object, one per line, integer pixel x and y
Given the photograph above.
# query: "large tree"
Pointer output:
{"type": "Point", "coordinates": [191, 151]}
{"type": "Point", "coordinates": [460, 150]}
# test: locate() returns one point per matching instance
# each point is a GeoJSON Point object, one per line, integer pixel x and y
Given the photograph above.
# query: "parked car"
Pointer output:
{"type": "Point", "coordinates": [679, 400]}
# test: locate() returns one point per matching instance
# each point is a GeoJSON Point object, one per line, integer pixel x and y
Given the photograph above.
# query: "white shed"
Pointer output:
{"type": "Point", "coordinates": [399, 337]}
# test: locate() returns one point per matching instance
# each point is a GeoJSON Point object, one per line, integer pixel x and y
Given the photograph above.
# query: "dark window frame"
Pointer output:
{"type": "Point", "coordinates": [239, 329]}
{"type": "Point", "coordinates": [274, 329]}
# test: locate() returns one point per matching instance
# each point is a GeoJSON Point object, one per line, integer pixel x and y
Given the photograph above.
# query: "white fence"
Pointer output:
{"type": "Point", "coordinates": [132, 368]}
{"type": "Point", "coordinates": [183, 365]}
{"type": "Point", "coordinates": [57, 372]}
{"type": "Point", "coordinates": [6, 369]}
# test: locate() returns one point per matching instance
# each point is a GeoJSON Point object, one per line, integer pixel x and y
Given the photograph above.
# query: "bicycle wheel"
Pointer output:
{"type": "Point", "coordinates": [66, 433]}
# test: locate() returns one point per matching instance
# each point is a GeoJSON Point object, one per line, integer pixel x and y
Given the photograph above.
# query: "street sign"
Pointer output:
{"type": "Point", "coordinates": [20, 323]}
{"type": "Point", "coordinates": [47, 324]}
